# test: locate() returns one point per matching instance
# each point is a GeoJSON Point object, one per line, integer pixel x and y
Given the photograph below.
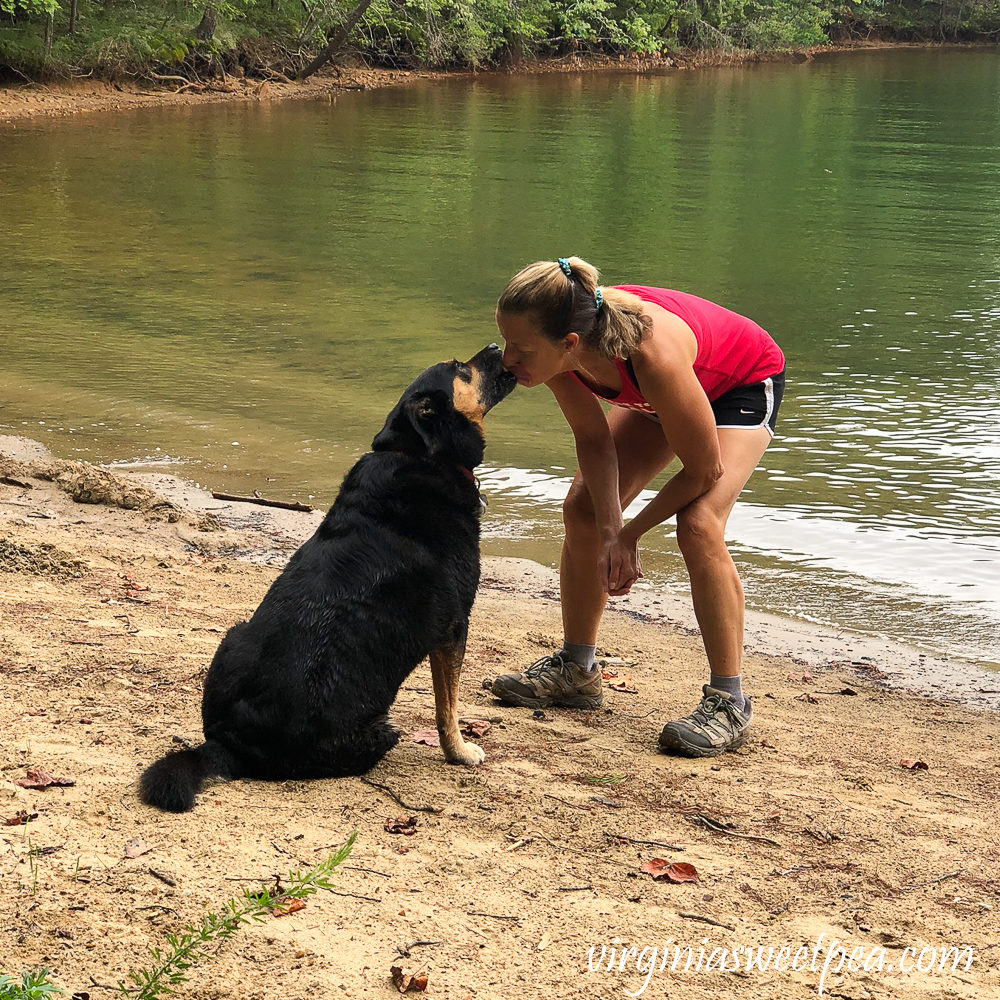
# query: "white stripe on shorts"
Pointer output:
{"type": "Point", "coordinates": [769, 397]}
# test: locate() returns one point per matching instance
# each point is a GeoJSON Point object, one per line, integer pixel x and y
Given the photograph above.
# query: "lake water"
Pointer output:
{"type": "Point", "coordinates": [239, 293]}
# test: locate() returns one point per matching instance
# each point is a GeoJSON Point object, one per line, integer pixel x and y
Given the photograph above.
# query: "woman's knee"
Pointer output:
{"type": "Point", "coordinates": [578, 512]}
{"type": "Point", "coordinates": [700, 534]}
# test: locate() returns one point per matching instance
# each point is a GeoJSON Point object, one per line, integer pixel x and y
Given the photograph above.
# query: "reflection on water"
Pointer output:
{"type": "Point", "coordinates": [241, 293]}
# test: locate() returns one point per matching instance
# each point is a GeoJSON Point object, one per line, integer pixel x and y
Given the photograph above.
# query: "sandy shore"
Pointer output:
{"type": "Point", "coordinates": [813, 832]}
{"type": "Point", "coordinates": [60, 98]}
{"type": "Point", "coordinates": [57, 99]}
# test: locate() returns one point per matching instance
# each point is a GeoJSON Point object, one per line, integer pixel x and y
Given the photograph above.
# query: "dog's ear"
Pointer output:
{"type": "Point", "coordinates": [415, 425]}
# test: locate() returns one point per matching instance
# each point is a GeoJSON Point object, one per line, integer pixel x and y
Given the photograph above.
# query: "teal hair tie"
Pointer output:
{"type": "Point", "coordinates": [598, 298]}
{"type": "Point", "coordinates": [565, 265]}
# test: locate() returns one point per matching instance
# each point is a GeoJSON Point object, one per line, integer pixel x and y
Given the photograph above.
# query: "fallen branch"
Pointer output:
{"type": "Point", "coordinates": [574, 805]}
{"type": "Point", "coordinates": [706, 920]}
{"type": "Point", "coordinates": [390, 792]}
{"type": "Point", "coordinates": [165, 879]}
{"type": "Point", "coordinates": [355, 895]}
{"type": "Point", "coordinates": [404, 949]}
{"type": "Point", "coordinates": [933, 881]}
{"type": "Point", "coordinates": [264, 502]}
{"type": "Point", "coordinates": [648, 843]}
{"type": "Point", "coordinates": [710, 824]}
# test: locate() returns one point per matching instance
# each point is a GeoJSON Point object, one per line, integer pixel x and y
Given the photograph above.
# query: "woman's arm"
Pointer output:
{"type": "Point", "coordinates": [617, 564]}
{"type": "Point", "coordinates": [595, 449]}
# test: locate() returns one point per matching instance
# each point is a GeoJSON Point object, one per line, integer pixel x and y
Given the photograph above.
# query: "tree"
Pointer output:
{"type": "Point", "coordinates": [336, 41]}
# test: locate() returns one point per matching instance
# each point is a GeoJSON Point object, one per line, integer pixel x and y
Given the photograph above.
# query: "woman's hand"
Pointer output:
{"type": "Point", "coordinates": [618, 564]}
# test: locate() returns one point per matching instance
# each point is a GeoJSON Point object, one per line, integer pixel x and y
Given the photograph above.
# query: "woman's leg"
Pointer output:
{"type": "Point", "coordinates": [556, 679]}
{"type": "Point", "coordinates": [718, 724]}
{"type": "Point", "coordinates": [716, 590]}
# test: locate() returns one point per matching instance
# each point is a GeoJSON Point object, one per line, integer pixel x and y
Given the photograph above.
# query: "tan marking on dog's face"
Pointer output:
{"type": "Point", "coordinates": [466, 398]}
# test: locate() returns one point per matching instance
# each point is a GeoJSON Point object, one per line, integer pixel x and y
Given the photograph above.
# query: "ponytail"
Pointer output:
{"type": "Point", "coordinates": [565, 297]}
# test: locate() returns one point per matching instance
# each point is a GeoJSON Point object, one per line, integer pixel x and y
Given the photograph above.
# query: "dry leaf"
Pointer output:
{"type": "Point", "coordinates": [38, 779]}
{"type": "Point", "coordinates": [406, 825]}
{"type": "Point", "coordinates": [291, 906]}
{"type": "Point", "coordinates": [406, 983]}
{"type": "Point", "coordinates": [544, 942]}
{"type": "Point", "coordinates": [136, 848]}
{"type": "Point", "coordinates": [666, 871]}
{"type": "Point", "coordinates": [19, 818]}
{"type": "Point", "coordinates": [476, 728]}
{"type": "Point", "coordinates": [623, 683]}
{"type": "Point", "coordinates": [912, 764]}
{"type": "Point", "coordinates": [807, 698]}
{"type": "Point", "coordinates": [429, 737]}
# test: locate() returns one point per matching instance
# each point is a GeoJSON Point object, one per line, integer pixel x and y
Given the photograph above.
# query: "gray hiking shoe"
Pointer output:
{"type": "Point", "coordinates": [714, 727]}
{"type": "Point", "coordinates": [551, 681]}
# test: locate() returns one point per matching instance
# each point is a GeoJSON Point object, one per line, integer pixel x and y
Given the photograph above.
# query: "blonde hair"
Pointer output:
{"type": "Point", "coordinates": [567, 303]}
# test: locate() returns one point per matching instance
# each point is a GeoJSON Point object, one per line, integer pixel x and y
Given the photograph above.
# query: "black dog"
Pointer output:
{"type": "Point", "coordinates": [303, 688]}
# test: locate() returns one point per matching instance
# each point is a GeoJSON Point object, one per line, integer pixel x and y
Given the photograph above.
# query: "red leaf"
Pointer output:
{"type": "Point", "coordinates": [406, 983]}
{"type": "Point", "coordinates": [679, 871]}
{"type": "Point", "coordinates": [19, 818]}
{"type": "Point", "coordinates": [912, 764]}
{"type": "Point", "coordinates": [406, 825]}
{"type": "Point", "coordinates": [291, 906]}
{"type": "Point", "coordinates": [475, 728]}
{"type": "Point", "coordinates": [429, 737]}
{"type": "Point", "coordinates": [623, 683]}
{"type": "Point", "coordinates": [38, 779]}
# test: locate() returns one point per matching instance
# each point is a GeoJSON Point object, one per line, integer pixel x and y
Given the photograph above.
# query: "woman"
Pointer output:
{"type": "Point", "coordinates": [686, 379]}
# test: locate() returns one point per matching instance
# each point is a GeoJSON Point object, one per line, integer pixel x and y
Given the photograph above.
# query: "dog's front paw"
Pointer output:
{"type": "Point", "coordinates": [467, 753]}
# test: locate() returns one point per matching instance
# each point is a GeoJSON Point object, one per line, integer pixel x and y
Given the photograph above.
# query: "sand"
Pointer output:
{"type": "Point", "coordinates": [812, 833]}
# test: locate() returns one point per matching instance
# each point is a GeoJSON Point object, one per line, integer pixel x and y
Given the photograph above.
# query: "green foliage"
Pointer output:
{"type": "Point", "coordinates": [34, 985]}
{"type": "Point", "coordinates": [783, 24]}
{"type": "Point", "coordinates": [131, 37]}
{"type": "Point", "coordinates": [169, 966]}
{"type": "Point", "coordinates": [29, 7]}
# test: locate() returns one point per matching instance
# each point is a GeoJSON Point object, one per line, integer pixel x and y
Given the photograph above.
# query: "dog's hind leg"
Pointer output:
{"type": "Point", "coordinates": [446, 668]}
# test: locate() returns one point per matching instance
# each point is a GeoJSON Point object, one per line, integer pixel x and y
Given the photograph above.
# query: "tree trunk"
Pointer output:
{"type": "Point", "coordinates": [206, 27]}
{"type": "Point", "coordinates": [49, 31]}
{"type": "Point", "coordinates": [74, 13]}
{"type": "Point", "coordinates": [336, 42]}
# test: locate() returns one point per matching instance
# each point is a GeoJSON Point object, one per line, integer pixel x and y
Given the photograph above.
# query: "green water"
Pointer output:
{"type": "Point", "coordinates": [239, 293]}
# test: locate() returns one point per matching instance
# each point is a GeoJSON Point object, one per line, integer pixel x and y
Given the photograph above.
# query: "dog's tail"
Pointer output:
{"type": "Point", "coordinates": [173, 781]}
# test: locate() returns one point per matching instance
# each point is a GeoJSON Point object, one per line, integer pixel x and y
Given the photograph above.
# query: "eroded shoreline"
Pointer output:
{"type": "Point", "coordinates": [61, 98]}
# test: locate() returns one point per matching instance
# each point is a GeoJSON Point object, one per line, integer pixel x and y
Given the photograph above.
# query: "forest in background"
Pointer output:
{"type": "Point", "coordinates": [149, 39]}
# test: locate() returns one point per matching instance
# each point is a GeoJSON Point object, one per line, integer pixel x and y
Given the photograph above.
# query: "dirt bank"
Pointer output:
{"type": "Point", "coordinates": [108, 618]}
{"type": "Point", "coordinates": [70, 97]}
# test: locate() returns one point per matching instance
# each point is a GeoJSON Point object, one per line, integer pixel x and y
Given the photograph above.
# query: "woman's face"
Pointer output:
{"type": "Point", "coordinates": [528, 354]}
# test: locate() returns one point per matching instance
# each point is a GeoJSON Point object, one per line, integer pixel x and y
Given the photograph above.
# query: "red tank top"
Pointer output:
{"type": "Point", "coordinates": [732, 350]}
